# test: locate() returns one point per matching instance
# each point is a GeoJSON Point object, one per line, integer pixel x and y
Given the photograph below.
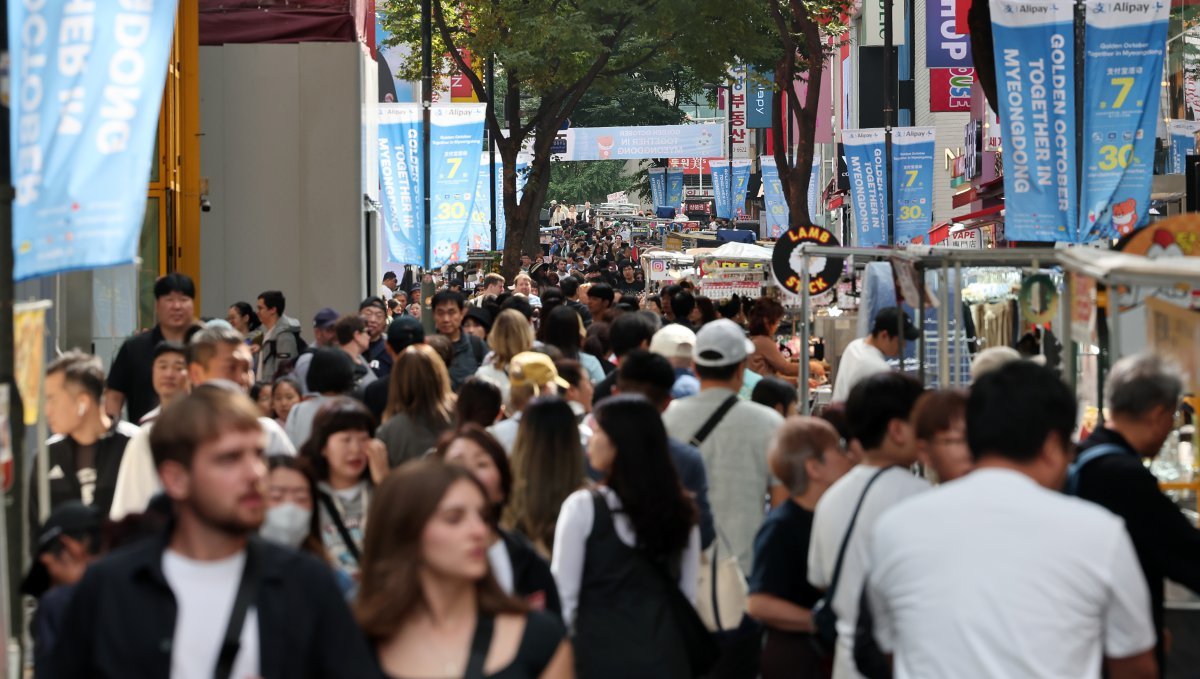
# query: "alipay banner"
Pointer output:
{"type": "Point", "coordinates": [658, 186]}
{"type": "Point", "coordinates": [674, 187]}
{"type": "Point", "coordinates": [762, 98]}
{"type": "Point", "coordinates": [479, 233]}
{"type": "Point", "coordinates": [1183, 143]}
{"type": "Point", "coordinates": [1035, 70]}
{"type": "Point", "coordinates": [402, 215]}
{"type": "Point", "coordinates": [1122, 72]}
{"type": "Point", "coordinates": [866, 162]}
{"type": "Point", "coordinates": [456, 137]}
{"type": "Point", "coordinates": [741, 183]}
{"type": "Point", "coordinates": [722, 180]}
{"type": "Point", "coordinates": [650, 141]}
{"type": "Point", "coordinates": [912, 182]}
{"type": "Point", "coordinates": [774, 201]}
{"type": "Point", "coordinates": [86, 82]}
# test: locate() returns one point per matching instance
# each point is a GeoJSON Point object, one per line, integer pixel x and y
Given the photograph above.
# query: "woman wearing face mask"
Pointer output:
{"type": "Point", "coordinates": [427, 599]}
{"type": "Point", "coordinates": [517, 567]}
{"type": "Point", "coordinates": [347, 461]}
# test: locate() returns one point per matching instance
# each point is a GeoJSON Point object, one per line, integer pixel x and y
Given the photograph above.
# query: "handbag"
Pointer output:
{"type": "Point", "coordinates": [722, 594]}
{"type": "Point", "coordinates": [824, 636]}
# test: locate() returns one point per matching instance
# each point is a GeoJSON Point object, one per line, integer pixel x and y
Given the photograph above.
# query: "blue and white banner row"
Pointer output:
{"type": "Point", "coordinates": [650, 141]}
{"type": "Point", "coordinates": [85, 87]}
{"type": "Point", "coordinates": [674, 187]}
{"type": "Point", "coordinates": [1183, 143]}
{"type": "Point", "coordinates": [866, 162]}
{"type": "Point", "coordinates": [1122, 70]}
{"type": "Point", "coordinates": [912, 182]}
{"type": "Point", "coordinates": [729, 187]}
{"type": "Point", "coordinates": [778, 213]}
{"type": "Point", "coordinates": [1035, 70]}
{"type": "Point", "coordinates": [479, 231]}
{"type": "Point", "coordinates": [456, 139]}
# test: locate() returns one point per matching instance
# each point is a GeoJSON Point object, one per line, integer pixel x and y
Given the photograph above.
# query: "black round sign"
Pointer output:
{"type": "Point", "coordinates": [786, 260]}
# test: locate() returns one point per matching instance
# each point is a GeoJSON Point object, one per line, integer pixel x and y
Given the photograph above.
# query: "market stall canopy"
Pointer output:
{"type": "Point", "coordinates": [1120, 268]}
{"type": "Point", "coordinates": [741, 252]}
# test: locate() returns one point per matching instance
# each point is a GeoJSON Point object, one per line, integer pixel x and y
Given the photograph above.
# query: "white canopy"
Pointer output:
{"type": "Point", "coordinates": [741, 252]}
{"type": "Point", "coordinates": [1118, 267]}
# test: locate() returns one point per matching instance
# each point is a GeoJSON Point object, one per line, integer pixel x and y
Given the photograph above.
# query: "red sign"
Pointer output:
{"type": "Point", "coordinates": [693, 165]}
{"type": "Point", "coordinates": [950, 89]}
{"type": "Point", "coordinates": [461, 89]}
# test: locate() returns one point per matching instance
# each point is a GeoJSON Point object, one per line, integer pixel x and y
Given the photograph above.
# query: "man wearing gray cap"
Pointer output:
{"type": "Point", "coordinates": [325, 335]}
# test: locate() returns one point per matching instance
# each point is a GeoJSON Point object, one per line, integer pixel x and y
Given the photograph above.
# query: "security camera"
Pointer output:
{"type": "Point", "coordinates": [205, 204]}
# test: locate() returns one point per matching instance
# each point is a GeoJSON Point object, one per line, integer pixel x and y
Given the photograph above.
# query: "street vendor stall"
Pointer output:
{"type": "Point", "coordinates": [734, 269]}
{"type": "Point", "coordinates": [663, 267]}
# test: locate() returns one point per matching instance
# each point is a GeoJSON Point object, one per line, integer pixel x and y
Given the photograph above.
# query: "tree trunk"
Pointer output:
{"type": "Point", "coordinates": [795, 178]}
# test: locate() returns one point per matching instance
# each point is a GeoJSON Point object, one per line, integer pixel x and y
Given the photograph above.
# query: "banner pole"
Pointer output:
{"type": "Point", "coordinates": [729, 159]}
{"type": "Point", "coordinates": [889, 113]}
{"type": "Point", "coordinates": [1080, 48]}
{"type": "Point", "coordinates": [426, 105]}
{"type": "Point", "coordinates": [491, 109]}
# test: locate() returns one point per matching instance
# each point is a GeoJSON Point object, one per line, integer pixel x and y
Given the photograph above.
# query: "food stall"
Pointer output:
{"type": "Point", "coordinates": [734, 269]}
{"type": "Point", "coordinates": [663, 267]}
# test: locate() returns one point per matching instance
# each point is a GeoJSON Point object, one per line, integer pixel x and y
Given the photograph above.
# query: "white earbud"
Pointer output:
{"type": "Point", "coordinates": [82, 409]}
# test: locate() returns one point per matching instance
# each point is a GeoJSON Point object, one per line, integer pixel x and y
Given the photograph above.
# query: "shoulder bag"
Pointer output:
{"type": "Point", "coordinates": [246, 594]}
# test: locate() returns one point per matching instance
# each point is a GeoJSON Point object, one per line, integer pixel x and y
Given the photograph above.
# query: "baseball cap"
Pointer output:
{"type": "Point", "coordinates": [70, 518]}
{"type": "Point", "coordinates": [534, 368]}
{"type": "Point", "coordinates": [325, 318]}
{"type": "Point", "coordinates": [373, 302]}
{"type": "Point", "coordinates": [721, 343]}
{"type": "Point", "coordinates": [404, 332]}
{"type": "Point", "coordinates": [673, 341]}
{"type": "Point", "coordinates": [888, 318]}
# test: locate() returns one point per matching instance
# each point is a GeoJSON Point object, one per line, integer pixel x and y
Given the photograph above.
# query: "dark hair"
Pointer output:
{"type": "Point", "coordinates": [644, 477]}
{"type": "Point", "coordinates": [876, 401]}
{"type": "Point", "coordinates": [718, 373]}
{"type": "Point", "coordinates": [443, 346]}
{"type": "Point", "coordinates": [347, 326]}
{"type": "Point", "coordinates": [602, 291]}
{"type": "Point", "coordinates": [708, 312]}
{"type": "Point", "coordinates": [480, 437]}
{"type": "Point", "coordinates": [629, 332]}
{"type": "Point", "coordinates": [256, 390]}
{"type": "Point", "coordinates": [291, 381]}
{"type": "Point", "coordinates": [389, 276]}
{"type": "Point", "coordinates": [682, 304]}
{"type": "Point", "coordinates": [596, 340]}
{"type": "Point", "coordinates": [83, 370]}
{"type": "Point", "coordinates": [313, 544]}
{"type": "Point", "coordinates": [330, 372]}
{"type": "Point", "coordinates": [521, 304]}
{"type": "Point", "coordinates": [569, 285]}
{"type": "Point", "coordinates": [936, 412]}
{"type": "Point", "coordinates": [401, 508]}
{"type": "Point", "coordinates": [273, 299]}
{"type": "Point", "coordinates": [244, 309]}
{"type": "Point", "coordinates": [646, 373]}
{"type": "Point", "coordinates": [766, 311]}
{"type": "Point", "coordinates": [198, 418]}
{"type": "Point", "coordinates": [1013, 409]}
{"type": "Point", "coordinates": [570, 370]}
{"type": "Point", "coordinates": [669, 291]}
{"type": "Point", "coordinates": [772, 392]}
{"type": "Point", "coordinates": [448, 296]}
{"type": "Point", "coordinates": [174, 282]}
{"type": "Point", "coordinates": [169, 347]}
{"type": "Point", "coordinates": [653, 298]}
{"type": "Point", "coordinates": [561, 329]}
{"type": "Point", "coordinates": [479, 402]}
{"type": "Point", "coordinates": [338, 414]}
{"type": "Point", "coordinates": [202, 345]}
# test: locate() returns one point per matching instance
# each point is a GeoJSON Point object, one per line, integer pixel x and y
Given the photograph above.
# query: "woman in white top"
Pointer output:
{"type": "Point", "coordinates": [511, 334]}
{"type": "Point", "coordinates": [619, 547]}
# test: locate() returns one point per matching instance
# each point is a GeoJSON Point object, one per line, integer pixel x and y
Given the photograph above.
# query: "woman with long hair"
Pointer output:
{"type": "Point", "coordinates": [243, 319]}
{"type": "Point", "coordinates": [563, 329]}
{"type": "Point", "coordinates": [427, 599]}
{"type": "Point", "coordinates": [420, 404]}
{"type": "Point", "coordinates": [347, 462]}
{"type": "Point", "coordinates": [547, 463]}
{"type": "Point", "coordinates": [704, 312]}
{"type": "Point", "coordinates": [619, 546]}
{"type": "Point", "coordinates": [517, 567]}
{"type": "Point", "coordinates": [767, 360]}
{"type": "Point", "coordinates": [511, 334]}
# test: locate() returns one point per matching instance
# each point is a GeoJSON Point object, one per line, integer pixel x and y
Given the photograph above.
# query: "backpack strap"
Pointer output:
{"type": "Point", "coordinates": [338, 523]}
{"type": "Point", "coordinates": [1089, 455]}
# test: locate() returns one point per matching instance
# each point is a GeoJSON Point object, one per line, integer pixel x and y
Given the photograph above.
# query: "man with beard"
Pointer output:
{"type": "Point", "coordinates": [208, 597]}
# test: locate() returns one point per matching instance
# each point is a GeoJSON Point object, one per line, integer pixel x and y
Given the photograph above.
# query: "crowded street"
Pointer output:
{"type": "Point", "coordinates": [488, 339]}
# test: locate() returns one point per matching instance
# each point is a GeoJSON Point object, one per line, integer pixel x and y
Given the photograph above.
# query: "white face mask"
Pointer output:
{"type": "Point", "coordinates": [287, 524]}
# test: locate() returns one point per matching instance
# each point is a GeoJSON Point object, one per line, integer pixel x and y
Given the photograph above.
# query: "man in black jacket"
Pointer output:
{"type": "Point", "coordinates": [168, 603]}
{"type": "Point", "coordinates": [1143, 395]}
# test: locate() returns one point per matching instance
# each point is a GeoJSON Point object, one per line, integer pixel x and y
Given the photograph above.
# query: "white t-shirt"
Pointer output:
{"type": "Point", "coordinates": [574, 525]}
{"type": "Point", "coordinates": [830, 520]}
{"type": "Point", "coordinates": [204, 594]}
{"type": "Point", "coordinates": [502, 567]}
{"type": "Point", "coordinates": [994, 576]}
{"type": "Point", "coordinates": [859, 361]}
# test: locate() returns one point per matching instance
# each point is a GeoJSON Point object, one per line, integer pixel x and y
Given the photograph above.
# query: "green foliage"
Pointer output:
{"type": "Point", "coordinates": [587, 181]}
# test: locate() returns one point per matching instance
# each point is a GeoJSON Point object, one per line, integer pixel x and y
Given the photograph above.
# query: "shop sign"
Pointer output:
{"type": "Point", "coordinates": [786, 261]}
{"type": "Point", "coordinates": [967, 239]}
{"type": "Point", "coordinates": [950, 89]}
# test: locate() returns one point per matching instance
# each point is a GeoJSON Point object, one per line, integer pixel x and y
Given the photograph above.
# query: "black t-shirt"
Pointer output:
{"type": "Point", "coordinates": [781, 556]}
{"type": "Point", "coordinates": [379, 359]}
{"type": "Point", "coordinates": [132, 373]}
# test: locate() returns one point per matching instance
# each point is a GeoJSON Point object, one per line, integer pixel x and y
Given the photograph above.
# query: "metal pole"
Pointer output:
{"type": "Point", "coordinates": [491, 111]}
{"type": "Point", "coordinates": [921, 344]}
{"type": "Point", "coordinates": [805, 307]}
{"type": "Point", "coordinates": [944, 328]}
{"type": "Point", "coordinates": [426, 105]}
{"type": "Point", "coordinates": [889, 112]}
{"type": "Point", "coordinates": [729, 121]}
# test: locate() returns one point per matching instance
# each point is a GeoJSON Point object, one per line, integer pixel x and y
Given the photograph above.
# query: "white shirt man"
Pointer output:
{"type": "Point", "coordinates": [867, 356]}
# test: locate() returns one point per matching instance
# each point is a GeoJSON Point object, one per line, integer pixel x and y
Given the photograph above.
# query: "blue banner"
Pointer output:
{"type": "Point", "coordinates": [650, 141]}
{"type": "Point", "coordinates": [501, 218]}
{"type": "Point", "coordinates": [722, 180]}
{"type": "Point", "coordinates": [658, 186]}
{"type": "Point", "coordinates": [85, 86]}
{"type": "Point", "coordinates": [912, 182]}
{"type": "Point", "coordinates": [1183, 143]}
{"type": "Point", "coordinates": [775, 203]}
{"type": "Point", "coordinates": [760, 100]}
{"type": "Point", "coordinates": [866, 162]}
{"type": "Point", "coordinates": [402, 214]}
{"type": "Point", "coordinates": [741, 183]}
{"type": "Point", "coordinates": [1122, 76]}
{"type": "Point", "coordinates": [1035, 70]}
{"type": "Point", "coordinates": [674, 187]}
{"type": "Point", "coordinates": [816, 211]}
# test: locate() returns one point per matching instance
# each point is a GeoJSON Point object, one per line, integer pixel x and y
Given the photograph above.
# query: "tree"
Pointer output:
{"type": "Point", "coordinates": [589, 180]}
{"type": "Point", "coordinates": [552, 52]}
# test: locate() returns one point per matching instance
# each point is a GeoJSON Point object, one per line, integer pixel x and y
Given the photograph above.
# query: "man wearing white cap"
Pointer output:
{"type": "Point", "coordinates": [677, 343]}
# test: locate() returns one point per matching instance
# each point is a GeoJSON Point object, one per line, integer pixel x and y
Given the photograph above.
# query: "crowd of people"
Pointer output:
{"type": "Point", "coordinates": [571, 477]}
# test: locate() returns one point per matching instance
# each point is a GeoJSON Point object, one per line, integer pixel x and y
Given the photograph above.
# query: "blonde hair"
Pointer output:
{"type": "Point", "coordinates": [510, 336]}
{"type": "Point", "coordinates": [420, 387]}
